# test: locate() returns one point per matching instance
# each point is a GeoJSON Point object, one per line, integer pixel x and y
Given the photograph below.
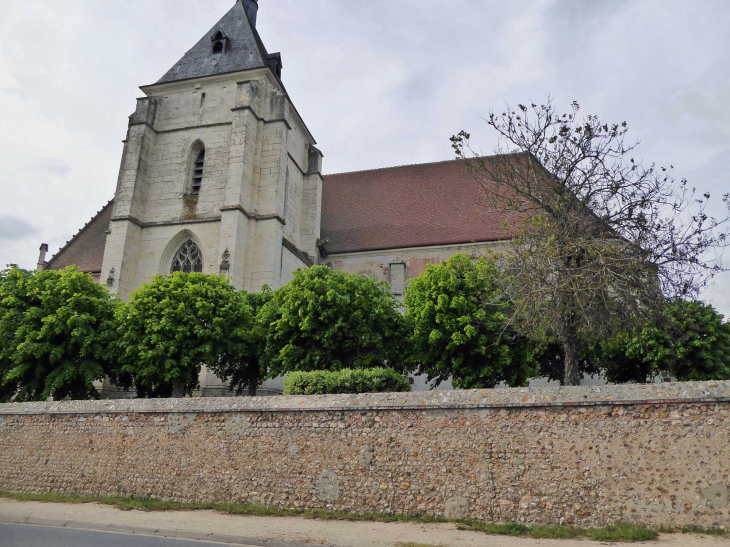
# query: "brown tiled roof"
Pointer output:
{"type": "Point", "coordinates": [86, 249]}
{"type": "Point", "coordinates": [407, 206]}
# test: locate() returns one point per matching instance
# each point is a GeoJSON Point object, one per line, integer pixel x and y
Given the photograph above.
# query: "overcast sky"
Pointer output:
{"type": "Point", "coordinates": [378, 82]}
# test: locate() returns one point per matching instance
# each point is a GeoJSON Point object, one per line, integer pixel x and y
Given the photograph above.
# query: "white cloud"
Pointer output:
{"type": "Point", "coordinates": [13, 228]}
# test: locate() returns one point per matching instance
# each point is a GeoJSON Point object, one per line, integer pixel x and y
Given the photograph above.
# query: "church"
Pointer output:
{"type": "Point", "coordinates": [219, 174]}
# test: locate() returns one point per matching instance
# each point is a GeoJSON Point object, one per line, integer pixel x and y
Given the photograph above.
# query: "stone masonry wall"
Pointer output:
{"type": "Point", "coordinates": [653, 454]}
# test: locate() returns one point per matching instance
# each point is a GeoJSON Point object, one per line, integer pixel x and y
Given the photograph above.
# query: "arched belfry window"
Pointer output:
{"type": "Point", "coordinates": [188, 259]}
{"type": "Point", "coordinates": [198, 168]}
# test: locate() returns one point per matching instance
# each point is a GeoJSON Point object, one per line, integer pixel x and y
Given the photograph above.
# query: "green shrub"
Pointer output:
{"type": "Point", "coordinates": [329, 320]}
{"type": "Point", "coordinates": [320, 382]}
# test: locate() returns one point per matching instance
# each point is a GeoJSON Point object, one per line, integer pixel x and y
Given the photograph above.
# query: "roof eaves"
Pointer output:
{"type": "Point", "coordinates": [419, 245]}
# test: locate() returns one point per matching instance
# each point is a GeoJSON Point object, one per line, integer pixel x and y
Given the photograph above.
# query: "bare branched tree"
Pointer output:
{"type": "Point", "coordinates": [598, 240]}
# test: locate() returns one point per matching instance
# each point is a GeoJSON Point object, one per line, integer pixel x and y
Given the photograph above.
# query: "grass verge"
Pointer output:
{"type": "Point", "coordinates": [620, 532]}
{"type": "Point", "coordinates": [705, 531]}
{"type": "Point", "coordinates": [627, 533]}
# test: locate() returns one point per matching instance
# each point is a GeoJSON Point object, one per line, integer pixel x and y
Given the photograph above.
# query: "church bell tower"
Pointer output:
{"type": "Point", "coordinates": [219, 173]}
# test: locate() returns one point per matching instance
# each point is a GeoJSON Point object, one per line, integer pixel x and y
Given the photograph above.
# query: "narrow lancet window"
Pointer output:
{"type": "Point", "coordinates": [198, 168]}
{"type": "Point", "coordinates": [188, 259]}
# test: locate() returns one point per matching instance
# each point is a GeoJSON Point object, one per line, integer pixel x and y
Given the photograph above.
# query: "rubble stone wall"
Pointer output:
{"type": "Point", "coordinates": [653, 454]}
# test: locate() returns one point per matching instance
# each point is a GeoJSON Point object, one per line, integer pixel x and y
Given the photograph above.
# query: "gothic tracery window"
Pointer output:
{"type": "Point", "coordinates": [188, 259]}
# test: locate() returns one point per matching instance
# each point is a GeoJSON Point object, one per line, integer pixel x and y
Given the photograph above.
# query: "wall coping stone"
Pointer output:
{"type": "Point", "coordinates": [537, 397]}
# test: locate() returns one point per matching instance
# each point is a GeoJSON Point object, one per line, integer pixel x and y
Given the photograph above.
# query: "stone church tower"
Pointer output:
{"type": "Point", "coordinates": [219, 173]}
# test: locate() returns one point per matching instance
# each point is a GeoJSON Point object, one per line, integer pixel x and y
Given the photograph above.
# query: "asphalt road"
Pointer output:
{"type": "Point", "coordinates": [21, 535]}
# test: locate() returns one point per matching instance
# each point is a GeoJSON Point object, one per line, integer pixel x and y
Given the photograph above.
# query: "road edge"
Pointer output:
{"type": "Point", "coordinates": [242, 541]}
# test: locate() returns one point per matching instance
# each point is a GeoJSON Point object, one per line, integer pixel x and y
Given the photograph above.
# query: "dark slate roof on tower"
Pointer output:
{"type": "Point", "coordinates": [244, 50]}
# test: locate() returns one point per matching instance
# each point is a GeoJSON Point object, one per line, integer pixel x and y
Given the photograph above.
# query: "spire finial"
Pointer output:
{"type": "Point", "coordinates": [252, 9]}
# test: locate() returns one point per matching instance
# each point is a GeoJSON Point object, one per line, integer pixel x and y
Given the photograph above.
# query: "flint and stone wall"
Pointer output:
{"type": "Point", "coordinates": [653, 454]}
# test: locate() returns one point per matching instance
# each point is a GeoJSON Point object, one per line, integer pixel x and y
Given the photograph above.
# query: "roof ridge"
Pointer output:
{"type": "Point", "coordinates": [412, 165]}
{"type": "Point", "coordinates": [81, 231]}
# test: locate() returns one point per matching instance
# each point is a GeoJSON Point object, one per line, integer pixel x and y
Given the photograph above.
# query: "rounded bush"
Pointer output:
{"type": "Point", "coordinates": [321, 382]}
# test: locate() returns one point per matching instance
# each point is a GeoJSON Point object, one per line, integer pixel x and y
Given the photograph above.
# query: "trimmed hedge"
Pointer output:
{"type": "Point", "coordinates": [321, 382]}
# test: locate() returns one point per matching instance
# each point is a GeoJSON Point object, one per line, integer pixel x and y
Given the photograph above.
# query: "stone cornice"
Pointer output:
{"type": "Point", "coordinates": [259, 118]}
{"type": "Point", "coordinates": [175, 129]}
{"type": "Point", "coordinates": [304, 257]}
{"type": "Point", "coordinates": [252, 216]}
{"type": "Point", "coordinates": [514, 399]}
{"type": "Point", "coordinates": [180, 222]}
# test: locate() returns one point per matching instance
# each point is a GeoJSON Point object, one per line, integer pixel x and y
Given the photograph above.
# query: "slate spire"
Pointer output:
{"type": "Point", "coordinates": [243, 48]}
{"type": "Point", "coordinates": [252, 9]}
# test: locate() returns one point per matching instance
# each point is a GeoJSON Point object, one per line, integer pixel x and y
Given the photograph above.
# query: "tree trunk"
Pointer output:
{"type": "Point", "coordinates": [571, 349]}
{"type": "Point", "coordinates": [178, 391]}
{"type": "Point", "coordinates": [253, 382]}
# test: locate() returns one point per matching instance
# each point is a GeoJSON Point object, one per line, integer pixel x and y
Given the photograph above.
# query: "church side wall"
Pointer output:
{"type": "Point", "coordinates": [296, 167]}
{"type": "Point", "coordinates": [655, 455]}
{"type": "Point", "coordinates": [293, 203]}
{"type": "Point", "coordinates": [184, 106]}
{"type": "Point", "coordinates": [378, 264]}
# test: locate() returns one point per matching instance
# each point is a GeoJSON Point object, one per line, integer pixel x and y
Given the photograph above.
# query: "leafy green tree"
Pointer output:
{"type": "Point", "coordinates": [248, 372]}
{"type": "Point", "coordinates": [460, 329]}
{"type": "Point", "coordinates": [329, 320]}
{"type": "Point", "coordinates": [14, 302]}
{"type": "Point", "coordinates": [691, 343]}
{"type": "Point", "coordinates": [173, 326]}
{"type": "Point", "coordinates": [625, 358]}
{"type": "Point", "coordinates": [55, 331]}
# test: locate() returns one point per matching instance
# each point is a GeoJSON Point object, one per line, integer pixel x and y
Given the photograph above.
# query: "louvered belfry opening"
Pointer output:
{"type": "Point", "coordinates": [218, 44]}
{"type": "Point", "coordinates": [188, 259]}
{"type": "Point", "coordinates": [198, 168]}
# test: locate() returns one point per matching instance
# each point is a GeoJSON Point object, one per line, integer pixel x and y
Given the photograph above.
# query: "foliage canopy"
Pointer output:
{"type": "Point", "coordinates": [55, 331]}
{"type": "Point", "coordinates": [174, 325]}
{"type": "Point", "coordinates": [690, 342]}
{"type": "Point", "coordinates": [459, 326]}
{"type": "Point", "coordinates": [329, 320]}
{"type": "Point", "coordinates": [248, 372]}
